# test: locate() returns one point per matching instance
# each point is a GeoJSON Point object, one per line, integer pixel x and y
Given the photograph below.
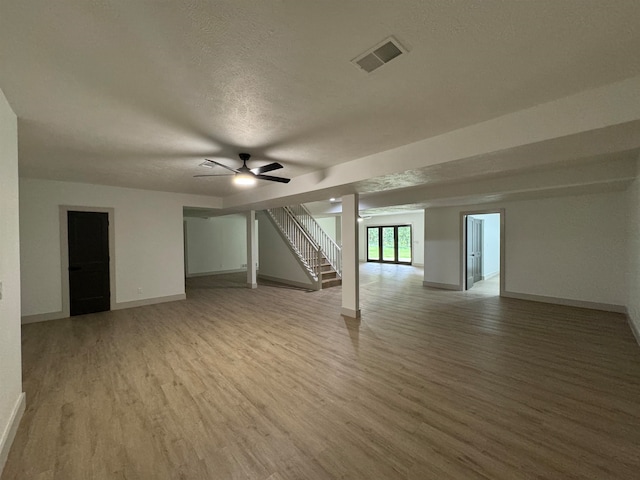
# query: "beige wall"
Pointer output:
{"type": "Point", "coordinates": [216, 244]}
{"type": "Point", "coordinates": [570, 247]}
{"type": "Point", "coordinates": [149, 252]}
{"type": "Point", "coordinates": [633, 254]}
{"type": "Point", "coordinates": [276, 260]}
{"type": "Point", "coordinates": [11, 398]}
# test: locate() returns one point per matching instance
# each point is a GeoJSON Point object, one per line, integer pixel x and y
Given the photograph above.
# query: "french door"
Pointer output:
{"type": "Point", "coordinates": [389, 244]}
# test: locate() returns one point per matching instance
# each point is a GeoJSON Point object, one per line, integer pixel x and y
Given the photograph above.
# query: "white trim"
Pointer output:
{"type": "Point", "coordinates": [490, 276]}
{"type": "Point", "coordinates": [634, 328]}
{"type": "Point", "coordinates": [463, 242]}
{"type": "Point", "coordinates": [218, 272]}
{"type": "Point", "coordinates": [64, 253]}
{"type": "Point", "coordinates": [252, 285]}
{"type": "Point", "coordinates": [10, 431]}
{"type": "Point", "coordinates": [349, 313]}
{"type": "Point", "coordinates": [442, 286]}
{"type": "Point", "coordinates": [306, 286]}
{"type": "Point", "coordinates": [149, 301]}
{"type": "Point", "coordinates": [607, 307]}
{"type": "Point", "coordinates": [43, 317]}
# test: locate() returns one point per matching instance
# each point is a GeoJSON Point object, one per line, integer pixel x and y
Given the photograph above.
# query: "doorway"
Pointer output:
{"type": "Point", "coordinates": [88, 262]}
{"type": "Point", "coordinates": [389, 244]}
{"type": "Point", "coordinates": [482, 255]}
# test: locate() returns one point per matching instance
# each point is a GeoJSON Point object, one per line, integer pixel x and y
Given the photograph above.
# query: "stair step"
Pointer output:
{"type": "Point", "coordinates": [332, 282]}
{"type": "Point", "coordinates": [329, 274]}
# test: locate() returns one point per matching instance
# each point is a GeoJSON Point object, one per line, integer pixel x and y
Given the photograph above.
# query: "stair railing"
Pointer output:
{"type": "Point", "coordinates": [330, 248]}
{"type": "Point", "coordinates": [308, 251]}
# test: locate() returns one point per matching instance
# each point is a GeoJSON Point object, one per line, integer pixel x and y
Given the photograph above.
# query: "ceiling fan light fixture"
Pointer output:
{"type": "Point", "coordinates": [244, 179]}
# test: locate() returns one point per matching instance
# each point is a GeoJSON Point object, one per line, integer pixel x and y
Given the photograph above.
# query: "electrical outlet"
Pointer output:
{"type": "Point", "coordinates": [139, 290]}
{"type": "Point", "coordinates": [244, 265]}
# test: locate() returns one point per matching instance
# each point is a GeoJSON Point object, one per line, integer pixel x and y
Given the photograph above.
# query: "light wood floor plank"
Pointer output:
{"type": "Point", "coordinates": [273, 384]}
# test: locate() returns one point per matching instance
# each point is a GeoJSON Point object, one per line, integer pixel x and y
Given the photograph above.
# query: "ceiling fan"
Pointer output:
{"type": "Point", "coordinates": [245, 175]}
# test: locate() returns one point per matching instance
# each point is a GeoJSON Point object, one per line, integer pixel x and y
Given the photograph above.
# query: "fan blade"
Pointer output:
{"type": "Point", "coordinates": [273, 179]}
{"type": "Point", "coordinates": [266, 168]}
{"type": "Point", "coordinates": [222, 165]}
{"type": "Point", "coordinates": [217, 175]}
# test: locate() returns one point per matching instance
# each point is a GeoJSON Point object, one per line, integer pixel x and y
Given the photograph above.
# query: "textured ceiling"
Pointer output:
{"type": "Point", "coordinates": [137, 93]}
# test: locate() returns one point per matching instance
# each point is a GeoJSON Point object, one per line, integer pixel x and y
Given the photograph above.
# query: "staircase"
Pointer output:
{"type": "Point", "coordinates": [330, 277]}
{"type": "Point", "coordinates": [316, 251]}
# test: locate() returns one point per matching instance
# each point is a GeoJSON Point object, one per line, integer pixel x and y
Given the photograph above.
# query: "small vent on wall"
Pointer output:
{"type": "Point", "coordinates": [377, 56]}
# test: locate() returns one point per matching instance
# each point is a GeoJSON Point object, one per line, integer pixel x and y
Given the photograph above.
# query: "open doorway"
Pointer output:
{"type": "Point", "coordinates": [482, 256]}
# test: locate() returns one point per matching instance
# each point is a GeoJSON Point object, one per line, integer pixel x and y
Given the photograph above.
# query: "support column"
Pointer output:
{"type": "Point", "coordinates": [252, 250]}
{"type": "Point", "coordinates": [350, 257]}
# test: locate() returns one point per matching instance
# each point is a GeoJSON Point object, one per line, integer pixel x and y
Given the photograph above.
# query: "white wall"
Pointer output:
{"type": "Point", "coordinates": [328, 224]}
{"type": "Point", "coordinates": [490, 244]}
{"type": "Point", "coordinates": [633, 254]}
{"type": "Point", "coordinates": [571, 247]}
{"type": "Point", "coordinates": [415, 219]}
{"type": "Point", "coordinates": [442, 246]}
{"type": "Point", "coordinates": [276, 260]}
{"type": "Point", "coordinates": [10, 351]}
{"type": "Point", "coordinates": [148, 230]}
{"type": "Point", "coordinates": [216, 244]}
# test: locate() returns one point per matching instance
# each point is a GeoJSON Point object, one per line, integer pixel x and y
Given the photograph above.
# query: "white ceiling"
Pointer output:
{"type": "Point", "coordinates": [137, 93]}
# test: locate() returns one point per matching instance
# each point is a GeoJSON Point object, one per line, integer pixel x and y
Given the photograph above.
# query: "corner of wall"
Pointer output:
{"type": "Point", "coordinates": [633, 254]}
{"type": "Point", "coordinates": [11, 396]}
{"type": "Point", "coordinates": [6, 440]}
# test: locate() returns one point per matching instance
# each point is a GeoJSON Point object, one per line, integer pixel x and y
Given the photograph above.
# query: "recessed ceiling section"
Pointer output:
{"type": "Point", "coordinates": [377, 56]}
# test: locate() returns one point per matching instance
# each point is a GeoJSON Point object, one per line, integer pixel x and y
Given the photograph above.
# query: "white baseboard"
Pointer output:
{"type": "Point", "coordinates": [11, 429]}
{"type": "Point", "coordinates": [606, 307]}
{"type": "Point", "coordinates": [149, 301]}
{"type": "Point", "coordinates": [442, 286]}
{"type": "Point", "coordinates": [635, 329]}
{"type": "Point", "coordinates": [350, 313]}
{"type": "Point", "coordinates": [218, 272]}
{"type": "Point", "coordinates": [42, 317]}
{"type": "Point", "coordinates": [491, 275]}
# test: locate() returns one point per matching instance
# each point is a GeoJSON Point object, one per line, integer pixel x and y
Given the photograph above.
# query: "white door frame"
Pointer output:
{"type": "Point", "coordinates": [463, 243]}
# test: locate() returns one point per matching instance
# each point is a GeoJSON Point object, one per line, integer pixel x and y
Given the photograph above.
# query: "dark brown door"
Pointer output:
{"type": "Point", "coordinates": [88, 262]}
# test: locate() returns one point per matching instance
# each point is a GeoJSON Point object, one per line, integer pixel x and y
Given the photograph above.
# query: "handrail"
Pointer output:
{"type": "Point", "coordinates": [331, 250]}
{"type": "Point", "coordinates": [308, 251]}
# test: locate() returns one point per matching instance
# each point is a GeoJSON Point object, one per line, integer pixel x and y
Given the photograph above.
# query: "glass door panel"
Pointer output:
{"type": "Point", "coordinates": [404, 244]}
{"type": "Point", "coordinates": [373, 244]}
{"type": "Point", "coordinates": [388, 244]}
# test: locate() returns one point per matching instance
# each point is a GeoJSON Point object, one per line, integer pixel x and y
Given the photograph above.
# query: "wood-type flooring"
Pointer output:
{"type": "Point", "coordinates": [274, 384]}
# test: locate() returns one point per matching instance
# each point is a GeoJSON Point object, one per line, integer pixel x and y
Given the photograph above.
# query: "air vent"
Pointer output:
{"type": "Point", "coordinates": [377, 56]}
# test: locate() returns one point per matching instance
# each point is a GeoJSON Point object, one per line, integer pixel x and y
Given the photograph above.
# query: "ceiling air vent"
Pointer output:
{"type": "Point", "coordinates": [377, 56]}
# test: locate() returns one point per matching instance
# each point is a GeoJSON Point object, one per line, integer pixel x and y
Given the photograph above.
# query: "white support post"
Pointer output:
{"type": "Point", "coordinates": [350, 258]}
{"type": "Point", "coordinates": [252, 250]}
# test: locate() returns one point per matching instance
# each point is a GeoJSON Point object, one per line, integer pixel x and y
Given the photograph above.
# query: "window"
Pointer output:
{"type": "Point", "coordinates": [390, 244]}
